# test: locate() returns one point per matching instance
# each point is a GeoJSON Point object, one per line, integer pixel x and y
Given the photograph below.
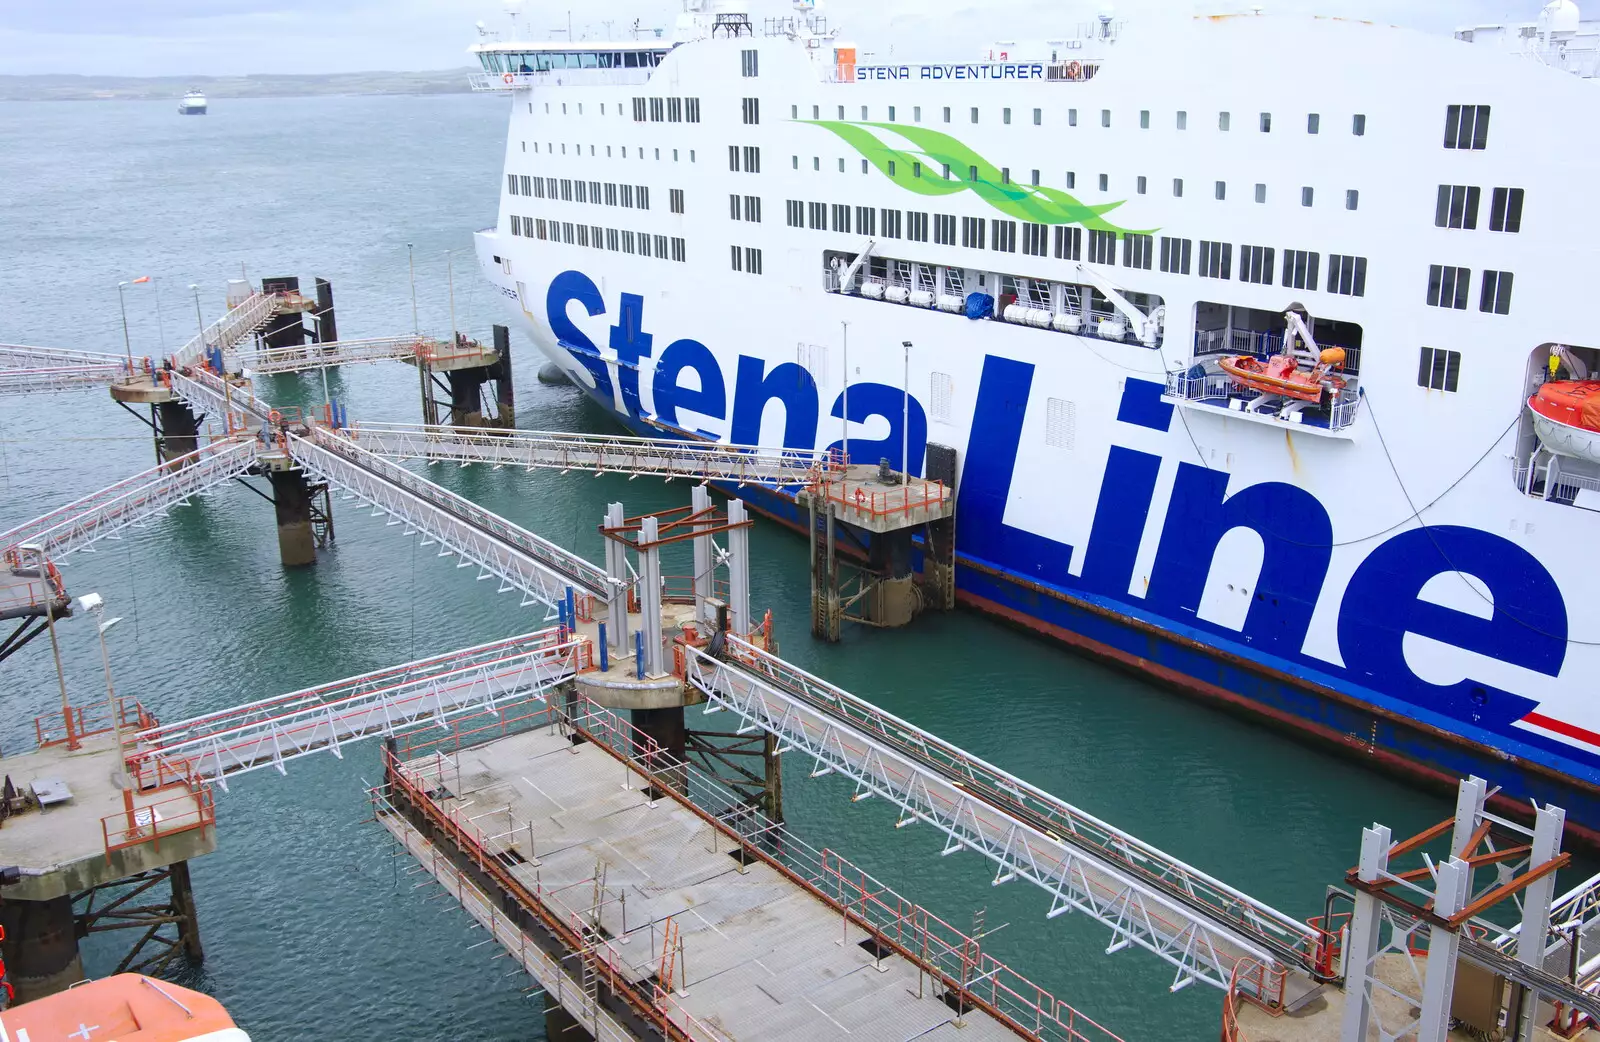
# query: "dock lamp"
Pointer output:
{"type": "Point", "coordinates": [95, 605]}
{"type": "Point", "coordinates": [905, 420]}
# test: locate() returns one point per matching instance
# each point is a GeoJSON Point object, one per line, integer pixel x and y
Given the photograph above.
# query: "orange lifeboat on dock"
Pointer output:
{"type": "Point", "coordinates": [129, 1007]}
{"type": "Point", "coordinates": [1566, 417]}
{"type": "Point", "coordinates": [1282, 376]}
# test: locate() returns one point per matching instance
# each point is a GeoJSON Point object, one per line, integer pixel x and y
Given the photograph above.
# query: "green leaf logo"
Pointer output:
{"type": "Point", "coordinates": [930, 148]}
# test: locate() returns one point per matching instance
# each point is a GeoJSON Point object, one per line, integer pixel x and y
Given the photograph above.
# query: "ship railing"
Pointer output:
{"type": "Point", "coordinates": [1261, 344]}
{"type": "Point", "coordinates": [1548, 479]}
{"type": "Point", "coordinates": [1212, 388]}
{"type": "Point", "coordinates": [509, 81]}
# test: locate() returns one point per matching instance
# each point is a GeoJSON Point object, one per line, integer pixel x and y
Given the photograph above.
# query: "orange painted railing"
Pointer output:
{"type": "Point", "coordinates": [193, 809]}
{"type": "Point", "coordinates": [913, 495]}
{"type": "Point", "coordinates": [89, 720]}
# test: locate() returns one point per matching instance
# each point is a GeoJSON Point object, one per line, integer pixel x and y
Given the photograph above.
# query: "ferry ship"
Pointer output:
{"type": "Point", "coordinates": [1233, 324]}
{"type": "Point", "coordinates": [193, 104]}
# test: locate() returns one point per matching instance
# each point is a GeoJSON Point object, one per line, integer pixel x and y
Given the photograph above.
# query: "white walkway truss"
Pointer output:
{"type": "Point", "coordinates": [135, 501]}
{"type": "Point", "coordinates": [516, 557]}
{"type": "Point", "coordinates": [267, 733]}
{"type": "Point", "coordinates": [305, 357]}
{"type": "Point", "coordinates": [1196, 923]}
{"type": "Point", "coordinates": [600, 454]}
{"type": "Point", "coordinates": [256, 311]}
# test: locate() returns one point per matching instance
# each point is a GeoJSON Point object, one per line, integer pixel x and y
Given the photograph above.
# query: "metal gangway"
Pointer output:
{"type": "Point", "coordinates": [25, 369]}
{"type": "Point", "coordinates": [305, 357]}
{"type": "Point", "coordinates": [598, 454]}
{"type": "Point", "coordinates": [1201, 926]}
{"type": "Point", "coordinates": [267, 733]}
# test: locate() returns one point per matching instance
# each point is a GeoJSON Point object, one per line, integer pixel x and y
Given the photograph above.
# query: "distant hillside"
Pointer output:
{"type": "Point", "coordinates": [141, 88]}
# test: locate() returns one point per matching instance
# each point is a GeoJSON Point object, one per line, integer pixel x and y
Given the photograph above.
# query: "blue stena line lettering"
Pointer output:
{"type": "Point", "coordinates": [977, 71]}
{"type": "Point", "coordinates": [1381, 604]}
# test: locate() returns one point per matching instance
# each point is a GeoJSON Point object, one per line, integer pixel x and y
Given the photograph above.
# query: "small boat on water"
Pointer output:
{"type": "Point", "coordinates": [193, 104]}
{"type": "Point", "coordinates": [1566, 417]}
{"type": "Point", "coordinates": [128, 1007]}
{"type": "Point", "coordinates": [1281, 375]}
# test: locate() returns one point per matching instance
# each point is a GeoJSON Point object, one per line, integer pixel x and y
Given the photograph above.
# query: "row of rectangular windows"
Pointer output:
{"type": "Point", "coordinates": [1347, 275]}
{"type": "Point", "coordinates": [601, 238]}
{"type": "Point", "coordinates": [746, 159]}
{"type": "Point", "coordinates": [1457, 207]}
{"type": "Point", "coordinates": [1358, 122]}
{"type": "Point", "coordinates": [1448, 287]}
{"type": "Point", "coordinates": [577, 191]}
{"type": "Point", "coordinates": [746, 259]}
{"type": "Point", "coordinates": [577, 150]}
{"type": "Point", "coordinates": [664, 110]}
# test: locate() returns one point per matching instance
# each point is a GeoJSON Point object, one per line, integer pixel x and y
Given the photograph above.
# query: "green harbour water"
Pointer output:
{"type": "Point", "coordinates": [312, 927]}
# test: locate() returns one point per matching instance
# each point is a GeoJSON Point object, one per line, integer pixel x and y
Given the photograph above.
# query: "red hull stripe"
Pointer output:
{"type": "Point", "coordinates": [1561, 727]}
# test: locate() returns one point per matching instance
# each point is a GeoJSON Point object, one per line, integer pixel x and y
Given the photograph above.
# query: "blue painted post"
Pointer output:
{"type": "Point", "coordinates": [605, 658]}
{"type": "Point", "coordinates": [638, 653]}
{"type": "Point", "coordinates": [572, 609]}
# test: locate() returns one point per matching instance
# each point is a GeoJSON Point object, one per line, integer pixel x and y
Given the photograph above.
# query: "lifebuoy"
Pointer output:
{"type": "Point", "coordinates": [509, 78]}
{"type": "Point", "coordinates": [1074, 71]}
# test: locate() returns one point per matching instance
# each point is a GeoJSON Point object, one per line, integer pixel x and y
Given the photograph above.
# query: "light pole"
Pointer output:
{"type": "Point", "coordinates": [450, 277]}
{"type": "Point", "coordinates": [161, 328]}
{"type": "Point", "coordinates": [96, 605]}
{"type": "Point", "coordinates": [845, 395]}
{"type": "Point", "coordinates": [905, 419]}
{"type": "Point", "coordinates": [199, 321]}
{"type": "Point", "coordinates": [122, 301]}
{"type": "Point", "coordinates": [411, 260]}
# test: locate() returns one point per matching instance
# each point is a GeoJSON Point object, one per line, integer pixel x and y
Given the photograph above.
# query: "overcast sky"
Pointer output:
{"type": "Point", "coordinates": [225, 37]}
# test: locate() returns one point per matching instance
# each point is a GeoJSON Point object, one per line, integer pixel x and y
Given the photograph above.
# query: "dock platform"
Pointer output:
{"type": "Point", "coordinates": [686, 911]}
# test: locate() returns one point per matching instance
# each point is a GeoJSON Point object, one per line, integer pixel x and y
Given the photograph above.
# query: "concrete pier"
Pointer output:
{"type": "Point", "coordinates": [292, 504]}
{"type": "Point", "coordinates": [74, 834]}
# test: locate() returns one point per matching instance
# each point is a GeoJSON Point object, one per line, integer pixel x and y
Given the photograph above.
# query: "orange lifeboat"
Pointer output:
{"type": "Point", "coordinates": [129, 1007]}
{"type": "Point", "coordinates": [1282, 375]}
{"type": "Point", "coordinates": [1566, 416]}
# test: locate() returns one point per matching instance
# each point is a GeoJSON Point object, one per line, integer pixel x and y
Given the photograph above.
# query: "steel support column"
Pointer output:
{"type": "Point", "coordinates": [650, 596]}
{"type": "Point", "coordinates": [621, 640]}
{"type": "Point", "coordinates": [1548, 824]}
{"type": "Point", "coordinates": [739, 567]}
{"type": "Point", "coordinates": [704, 553]}
{"type": "Point", "coordinates": [1362, 948]}
{"type": "Point", "coordinates": [1452, 885]}
{"type": "Point", "coordinates": [292, 503]}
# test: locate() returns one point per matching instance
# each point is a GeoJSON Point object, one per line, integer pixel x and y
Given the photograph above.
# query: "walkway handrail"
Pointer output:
{"type": "Point", "coordinates": [558, 450]}
{"type": "Point", "coordinates": [338, 352]}
{"type": "Point", "coordinates": [235, 324]}
{"type": "Point", "coordinates": [25, 356]}
{"type": "Point", "coordinates": [1199, 924]}
{"type": "Point", "coordinates": [99, 514]}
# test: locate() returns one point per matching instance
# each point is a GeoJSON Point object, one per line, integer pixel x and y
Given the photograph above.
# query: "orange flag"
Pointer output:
{"type": "Point", "coordinates": [141, 278]}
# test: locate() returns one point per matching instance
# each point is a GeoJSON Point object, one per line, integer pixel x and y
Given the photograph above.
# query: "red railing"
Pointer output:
{"type": "Point", "coordinates": [89, 720]}
{"type": "Point", "coordinates": [914, 494]}
{"type": "Point", "coordinates": [151, 822]}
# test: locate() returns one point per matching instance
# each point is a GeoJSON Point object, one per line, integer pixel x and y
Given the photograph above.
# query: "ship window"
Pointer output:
{"type": "Point", "coordinates": [1005, 175]}
{"type": "Point", "coordinates": [863, 113]}
{"type": "Point", "coordinates": [1177, 187]}
{"type": "Point", "coordinates": [1261, 193]}
{"type": "Point", "coordinates": [1105, 182]}
{"type": "Point", "coordinates": [1223, 119]}
{"type": "Point", "coordinates": [1505, 210]}
{"type": "Point", "coordinates": [891, 113]}
{"type": "Point", "coordinates": [611, 194]}
{"type": "Point", "coordinates": [627, 242]}
{"type": "Point", "coordinates": [1255, 264]}
{"type": "Point", "coordinates": [657, 110]}
{"type": "Point", "coordinates": [1438, 369]}
{"type": "Point", "coordinates": [1358, 125]}
{"type": "Point", "coordinates": [516, 225]}
{"type": "Point", "coordinates": [541, 228]}
{"type": "Point", "coordinates": [580, 192]}
{"type": "Point", "coordinates": [680, 250]}
{"type": "Point", "coordinates": [1175, 255]}
{"type": "Point", "coordinates": [1313, 123]}
{"type": "Point", "coordinates": [1005, 236]}
{"type": "Point", "coordinates": [752, 260]}
{"type": "Point", "coordinates": [816, 162]}
{"type": "Point", "coordinates": [866, 220]}
{"type": "Point", "coordinates": [1035, 239]}
{"type": "Point", "coordinates": [611, 240]}
{"type": "Point", "coordinates": [738, 258]}
{"type": "Point", "coordinates": [891, 223]}
{"type": "Point", "coordinates": [794, 161]}
{"type": "Point", "coordinates": [752, 159]}
{"type": "Point", "coordinates": [583, 235]}
{"type": "Point", "coordinates": [1222, 189]}
{"type": "Point", "coordinates": [1307, 194]}
{"type": "Point", "coordinates": [916, 113]}
{"type": "Point", "coordinates": [733, 207]}
{"type": "Point", "coordinates": [1466, 126]}
{"type": "Point", "coordinates": [1347, 275]}
{"type": "Point", "coordinates": [733, 158]}
{"type": "Point", "coordinates": [916, 224]}
{"type": "Point", "coordinates": [566, 189]}
{"type": "Point", "coordinates": [944, 229]}
{"type": "Point", "coordinates": [974, 115]}
{"type": "Point", "coordinates": [538, 188]}
{"type": "Point", "coordinates": [1183, 120]}
{"type": "Point", "coordinates": [1447, 286]}
{"type": "Point", "coordinates": [1105, 117]}
{"type": "Point", "coordinates": [1142, 184]}
{"type": "Point", "coordinates": [796, 211]}
{"type": "Point", "coordinates": [794, 112]}
{"type": "Point", "coordinates": [1005, 116]}
{"type": "Point", "coordinates": [1216, 259]}
{"type": "Point", "coordinates": [1496, 295]}
{"type": "Point", "coordinates": [1457, 207]}
{"type": "Point", "coordinates": [947, 171]}
{"type": "Point", "coordinates": [1352, 199]}
{"type": "Point", "coordinates": [1072, 179]}
{"type": "Point", "coordinates": [1068, 243]}
{"type": "Point", "coordinates": [972, 174]}
{"type": "Point", "coordinates": [841, 218]}
{"type": "Point", "coordinates": [752, 110]}
{"type": "Point", "coordinates": [1300, 269]}
{"type": "Point", "coordinates": [947, 113]}
{"type": "Point", "coordinates": [675, 110]}
{"type": "Point", "coordinates": [891, 167]}
{"type": "Point", "coordinates": [749, 64]}
{"type": "Point", "coordinates": [1144, 119]}
{"type": "Point", "coordinates": [972, 232]}
{"type": "Point", "coordinates": [1102, 247]}
{"type": "Point", "coordinates": [1038, 117]}
{"type": "Point", "coordinates": [1266, 123]}
{"type": "Point", "coordinates": [817, 216]}
{"type": "Point", "coordinates": [1072, 117]}
{"type": "Point", "coordinates": [511, 183]}
{"type": "Point", "coordinates": [1136, 250]}
{"type": "Point", "coordinates": [594, 192]}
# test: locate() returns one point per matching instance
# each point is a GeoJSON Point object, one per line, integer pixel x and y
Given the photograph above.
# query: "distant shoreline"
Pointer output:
{"type": "Point", "coordinates": [62, 87]}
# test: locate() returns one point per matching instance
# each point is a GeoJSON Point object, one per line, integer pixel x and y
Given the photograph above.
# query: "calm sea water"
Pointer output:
{"type": "Point", "coordinates": [311, 926]}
